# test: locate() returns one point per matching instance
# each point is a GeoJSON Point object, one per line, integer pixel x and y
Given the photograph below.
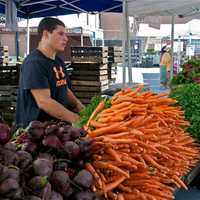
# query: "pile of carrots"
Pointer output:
{"type": "Point", "coordinates": [140, 146]}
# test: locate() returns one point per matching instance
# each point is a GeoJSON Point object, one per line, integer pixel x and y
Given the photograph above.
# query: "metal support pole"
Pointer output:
{"type": "Point", "coordinates": [179, 54]}
{"type": "Point", "coordinates": [124, 40]}
{"type": "Point", "coordinates": [82, 43]}
{"type": "Point", "coordinates": [172, 47]}
{"type": "Point", "coordinates": [28, 37]}
{"type": "Point", "coordinates": [130, 79]}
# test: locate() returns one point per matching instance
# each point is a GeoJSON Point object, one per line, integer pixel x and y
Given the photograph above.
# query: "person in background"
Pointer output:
{"type": "Point", "coordinates": [165, 66]}
{"type": "Point", "coordinates": [43, 92]}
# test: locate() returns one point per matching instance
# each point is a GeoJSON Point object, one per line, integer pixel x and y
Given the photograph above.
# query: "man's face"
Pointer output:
{"type": "Point", "coordinates": [57, 40]}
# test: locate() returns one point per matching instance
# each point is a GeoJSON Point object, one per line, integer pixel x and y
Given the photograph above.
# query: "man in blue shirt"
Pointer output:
{"type": "Point", "coordinates": [43, 87]}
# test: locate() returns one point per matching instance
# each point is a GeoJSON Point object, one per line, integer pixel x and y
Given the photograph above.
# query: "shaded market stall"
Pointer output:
{"type": "Point", "coordinates": [146, 10]}
{"type": "Point", "coordinates": [153, 11]}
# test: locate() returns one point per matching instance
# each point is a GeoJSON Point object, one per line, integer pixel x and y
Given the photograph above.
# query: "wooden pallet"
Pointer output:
{"type": "Point", "coordinates": [8, 93]}
{"type": "Point", "coordinates": [88, 50]}
{"type": "Point", "coordinates": [9, 75]}
{"type": "Point", "coordinates": [89, 59]}
{"type": "Point", "coordinates": [89, 54]}
{"type": "Point", "coordinates": [89, 73]}
{"type": "Point", "coordinates": [88, 66]}
{"type": "Point", "coordinates": [89, 78]}
{"type": "Point", "coordinates": [89, 88]}
{"type": "Point", "coordinates": [89, 83]}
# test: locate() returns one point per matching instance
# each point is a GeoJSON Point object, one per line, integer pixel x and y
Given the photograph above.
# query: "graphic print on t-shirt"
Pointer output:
{"type": "Point", "coordinates": [60, 76]}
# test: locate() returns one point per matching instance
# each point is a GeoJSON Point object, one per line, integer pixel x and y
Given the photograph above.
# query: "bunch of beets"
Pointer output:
{"type": "Point", "coordinates": [46, 162]}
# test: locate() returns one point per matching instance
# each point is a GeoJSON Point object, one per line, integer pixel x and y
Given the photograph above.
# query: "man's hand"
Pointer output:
{"type": "Point", "coordinates": [79, 106]}
{"type": "Point", "coordinates": [75, 118]}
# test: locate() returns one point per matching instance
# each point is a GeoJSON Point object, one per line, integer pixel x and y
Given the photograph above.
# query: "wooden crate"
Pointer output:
{"type": "Point", "coordinates": [89, 88]}
{"type": "Point", "coordinates": [89, 54]}
{"type": "Point", "coordinates": [8, 93]}
{"type": "Point", "coordinates": [89, 73]}
{"type": "Point", "coordinates": [9, 75]}
{"type": "Point", "coordinates": [115, 54]}
{"type": "Point", "coordinates": [89, 83]}
{"type": "Point", "coordinates": [89, 78]}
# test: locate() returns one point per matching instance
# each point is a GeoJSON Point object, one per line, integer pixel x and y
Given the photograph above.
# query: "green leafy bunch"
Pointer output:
{"type": "Point", "coordinates": [188, 96]}
{"type": "Point", "coordinates": [88, 110]}
{"type": "Point", "coordinates": [190, 73]}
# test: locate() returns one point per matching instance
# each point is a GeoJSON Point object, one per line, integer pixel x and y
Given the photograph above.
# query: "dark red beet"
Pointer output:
{"type": "Point", "coordinates": [83, 178]}
{"type": "Point", "coordinates": [38, 183]}
{"type": "Point", "coordinates": [46, 156]}
{"type": "Point", "coordinates": [16, 194]}
{"type": "Point", "coordinates": [33, 198]}
{"type": "Point", "coordinates": [13, 172]}
{"type": "Point", "coordinates": [42, 167]}
{"type": "Point", "coordinates": [81, 164]}
{"type": "Point", "coordinates": [85, 146]}
{"type": "Point", "coordinates": [8, 185]}
{"type": "Point", "coordinates": [71, 172]}
{"type": "Point", "coordinates": [52, 141]}
{"type": "Point", "coordinates": [10, 146]}
{"type": "Point", "coordinates": [5, 133]}
{"type": "Point", "coordinates": [56, 196]}
{"type": "Point", "coordinates": [75, 133]}
{"type": "Point", "coordinates": [68, 194]}
{"type": "Point", "coordinates": [24, 159]}
{"type": "Point", "coordinates": [65, 129]}
{"type": "Point", "coordinates": [72, 149]}
{"type": "Point", "coordinates": [3, 173]}
{"type": "Point", "coordinates": [9, 157]}
{"type": "Point", "coordinates": [84, 195]}
{"type": "Point", "coordinates": [30, 147]}
{"type": "Point", "coordinates": [36, 124]}
{"type": "Point", "coordinates": [60, 165]}
{"type": "Point", "coordinates": [46, 192]}
{"type": "Point", "coordinates": [51, 129]}
{"type": "Point", "coordinates": [35, 130]}
{"type": "Point", "coordinates": [60, 181]}
{"type": "Point", "coordinates": [66, 137]}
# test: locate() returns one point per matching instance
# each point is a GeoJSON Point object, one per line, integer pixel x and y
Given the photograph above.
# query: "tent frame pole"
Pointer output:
{"type": "Point", "coordinates": [124, 41]}
{"type": "Point", "coordinates": [172, 46]}
{"type": "Point", "coordinates": [130, 79]}
{"type": "Point", "coordinates": [82, 39]}
{"type": "Point", "coordinates": [28, 37]}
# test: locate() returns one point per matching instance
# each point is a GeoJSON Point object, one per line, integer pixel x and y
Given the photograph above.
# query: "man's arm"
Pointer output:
{"type": "Point", "coordinates": [74, 101]}
{"type": "Point", "coordinates": [52, 107]}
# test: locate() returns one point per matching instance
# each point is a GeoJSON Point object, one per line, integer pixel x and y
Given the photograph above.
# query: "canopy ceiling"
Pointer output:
{"type": "Point", "coordinates": [42, 8]}
{"type": "Point", "coordinates": [138, 8]}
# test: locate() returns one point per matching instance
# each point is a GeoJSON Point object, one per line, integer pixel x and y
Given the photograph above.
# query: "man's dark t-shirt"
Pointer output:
{"type": "Point", "coordinates": [39, 72]}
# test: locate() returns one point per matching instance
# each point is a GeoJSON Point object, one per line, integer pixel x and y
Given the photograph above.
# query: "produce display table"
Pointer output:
{"type": "Point", "coordinates": [192, 174]}
{"type": "Point", "coordinates": [118, 86]}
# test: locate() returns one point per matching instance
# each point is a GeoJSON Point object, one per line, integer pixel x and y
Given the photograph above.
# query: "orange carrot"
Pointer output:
{"type": "Point", "coordinates": [114, 184]}
{"type": "Point", "coordinates": [99, 108]}
{"type": "Point", "coordinates": [104, 165]}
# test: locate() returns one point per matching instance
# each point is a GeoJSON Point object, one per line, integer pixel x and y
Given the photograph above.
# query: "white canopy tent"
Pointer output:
{"type": "Point", "coordinates": [156, 11]}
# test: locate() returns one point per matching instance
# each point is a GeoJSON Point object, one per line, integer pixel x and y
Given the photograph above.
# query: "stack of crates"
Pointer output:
{"type": "Point", "coordinates": [90, 72]}
{"type": "Point", "coordinates": [114, 57]}
{"type": "Point", "coordinates": [9, 76]}
{"type": "Point", "coordinates": [4, 55]}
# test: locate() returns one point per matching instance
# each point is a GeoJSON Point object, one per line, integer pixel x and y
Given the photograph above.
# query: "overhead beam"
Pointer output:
{"type": "Point", "coordinates": [43, 10]}
{"type": "Point", "coordinates": [67, 3]}
{"type": "Point", "coordinates": [112, 8]}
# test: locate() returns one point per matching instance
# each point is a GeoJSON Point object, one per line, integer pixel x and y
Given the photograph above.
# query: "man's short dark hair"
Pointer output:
{"type": "Point", "coordinates": [49, 24]}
